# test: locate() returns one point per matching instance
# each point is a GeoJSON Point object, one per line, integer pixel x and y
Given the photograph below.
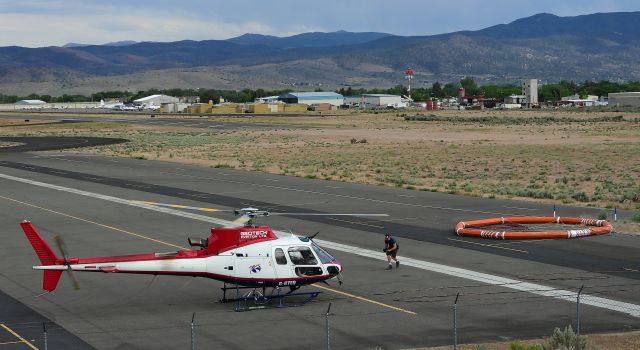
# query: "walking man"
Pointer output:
{"type": "Point", "coordinates": [391, 249]}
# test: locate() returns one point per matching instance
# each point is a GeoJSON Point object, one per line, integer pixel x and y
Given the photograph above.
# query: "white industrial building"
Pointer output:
{"type": "Point", "coordinates": [620, 99]}
{"type": "Point", "coordinates": [312, 98]}
{"type": "Point", "coordinates": [530, 91]}
{"type": "Point", "coordinates": [374, 100]}
{"type": "Point", "coordinates": [30, 102]}
{"type": "Point", "coordinates": [156, 100]}
{"type": "Point", "coordinates": [266, 99]}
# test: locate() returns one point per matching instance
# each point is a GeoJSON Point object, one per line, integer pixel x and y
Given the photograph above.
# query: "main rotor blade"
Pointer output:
{"type": "Point", "coordinates": [328, 214]}
{"type": "Point", "coordinates": [179, 206]}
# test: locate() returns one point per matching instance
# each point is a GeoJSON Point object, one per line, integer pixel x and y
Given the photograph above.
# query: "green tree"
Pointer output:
{"type": "Point", "coordinates": [437, 91]}
{"type": "Point", "coordinates": [470, 86]}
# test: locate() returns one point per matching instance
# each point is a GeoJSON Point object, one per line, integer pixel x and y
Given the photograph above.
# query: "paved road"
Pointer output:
{"type": "Point", "coordinates": [113, 312]}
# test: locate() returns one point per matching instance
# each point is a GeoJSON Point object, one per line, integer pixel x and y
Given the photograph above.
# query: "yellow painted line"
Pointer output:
{"type": "Point", "coordinates": [365, 299]}
{"type": "Point", "coordinates": [489, 245]}
{"type": "Point", "coordinates": [177, 206]}
{"type": "Point", "coordinates": [95, 223]}
{"type": "Point", "coordinates": [18, 336]}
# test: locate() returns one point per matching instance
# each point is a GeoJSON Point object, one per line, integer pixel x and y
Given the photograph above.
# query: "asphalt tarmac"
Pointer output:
{"type": "Point", "coordinates": [499, 283]}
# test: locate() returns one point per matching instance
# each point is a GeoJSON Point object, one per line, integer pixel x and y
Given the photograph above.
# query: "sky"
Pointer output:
{"type": "Point", "coordinates": [38, 23]}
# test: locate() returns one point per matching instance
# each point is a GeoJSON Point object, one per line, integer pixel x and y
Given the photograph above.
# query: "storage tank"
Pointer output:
{"type": "Point", "coordinates": [430, 105]}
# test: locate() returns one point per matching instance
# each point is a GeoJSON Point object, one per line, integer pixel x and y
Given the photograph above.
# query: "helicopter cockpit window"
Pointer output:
{"type": "Point", "coordinates": [322, 254]}
{"type": "Point", "coordinates": [281, 259]}
{"type": "Point", "coordinates": [302, 256]}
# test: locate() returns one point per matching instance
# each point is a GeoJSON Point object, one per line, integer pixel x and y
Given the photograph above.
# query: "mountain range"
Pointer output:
{"type": "Point", "coordinates": [602, 46]}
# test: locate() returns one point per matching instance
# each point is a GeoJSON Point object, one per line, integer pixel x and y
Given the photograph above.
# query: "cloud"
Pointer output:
{"type": "Point", "coordinates": [36, 30]}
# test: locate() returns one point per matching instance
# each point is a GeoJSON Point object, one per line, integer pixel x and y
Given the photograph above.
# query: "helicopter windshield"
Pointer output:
{"type": "Point", "coordinates": [302, 256]}
{"type": "Point", "coordinates": [322, 254]}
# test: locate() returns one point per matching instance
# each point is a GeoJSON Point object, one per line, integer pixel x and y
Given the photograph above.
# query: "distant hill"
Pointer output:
{"type": "Point", "coordinates": [115, 43]}
{"type": "Point", "coordinates": [315, 39]}
{"type": "Point", "coordinates": [544, 46]}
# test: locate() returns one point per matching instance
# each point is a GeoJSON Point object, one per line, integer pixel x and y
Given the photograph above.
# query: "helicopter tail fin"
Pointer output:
{"type": "Point", "coordinates": [42, 249]}
{"type": "Point", "coordinates": [45, 254]}
{"type": "Point", "coordinates": [50, 279]}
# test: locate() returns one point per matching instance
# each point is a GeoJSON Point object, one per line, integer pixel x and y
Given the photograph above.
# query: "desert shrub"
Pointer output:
{"type": "Point", "coordinates": [636, 217]}
{"type": "Point", "coordinates": [517, 345]}
{"type": "Point", "coordinates": [565, 339]}
{"type": "Point", "coordinates": [602, 215]}
{"type": "Point", "coordinates": [580, 197]}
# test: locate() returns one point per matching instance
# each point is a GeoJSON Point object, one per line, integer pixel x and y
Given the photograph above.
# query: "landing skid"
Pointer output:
{"type": "Point", "coordinates": [254, 299]}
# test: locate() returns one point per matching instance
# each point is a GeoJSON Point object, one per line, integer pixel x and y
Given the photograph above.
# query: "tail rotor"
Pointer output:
{"type": "Point", "coordinates": [62, 247]}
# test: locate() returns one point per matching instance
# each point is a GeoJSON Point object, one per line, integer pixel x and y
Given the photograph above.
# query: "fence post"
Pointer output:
{"type": "Point", "coordinates": [327, 324]}
{"type": "Point", "coordinates": [44, 333]}
{"type": "Point", "coordinates": [193, 334]}
{"type": "Point", "coordinates": [455, 322]}
{"type": "Point", "coordinates": [578, 311]}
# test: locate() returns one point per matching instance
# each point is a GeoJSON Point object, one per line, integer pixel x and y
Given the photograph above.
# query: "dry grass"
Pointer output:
{"type": "Point", "coordinates": [571, 160]}
{"type": "Point", "coordinates": [611, 341]}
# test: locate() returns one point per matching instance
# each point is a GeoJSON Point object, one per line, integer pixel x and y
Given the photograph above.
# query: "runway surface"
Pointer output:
{"type": "Point", "coordinates": [508, 290]}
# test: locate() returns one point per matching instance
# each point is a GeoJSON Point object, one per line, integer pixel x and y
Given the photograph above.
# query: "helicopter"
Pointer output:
{"type": "Point", "coordinates": [244, 255]}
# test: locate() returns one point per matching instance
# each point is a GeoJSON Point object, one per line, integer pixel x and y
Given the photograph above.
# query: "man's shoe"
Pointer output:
{"type": "Point", "coordinates": [397, 264]}
{"type": "Point", "coordinates": [389, 267]}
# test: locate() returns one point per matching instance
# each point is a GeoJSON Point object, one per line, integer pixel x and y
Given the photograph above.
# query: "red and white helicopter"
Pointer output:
{"type": "Point", "coordinates": [245, 256]}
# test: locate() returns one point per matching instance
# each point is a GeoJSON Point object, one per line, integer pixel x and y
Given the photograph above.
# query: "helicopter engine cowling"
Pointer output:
{"type": "Point", "coordinates": [198, 242]}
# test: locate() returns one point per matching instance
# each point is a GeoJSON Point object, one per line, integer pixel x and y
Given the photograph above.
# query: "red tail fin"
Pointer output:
{"type": "Point", "coordinates": [45, 254]}
{"type": "Point", "coordinates": [50, 280]}
{"type": "Point", "coordinates": [42, 249]}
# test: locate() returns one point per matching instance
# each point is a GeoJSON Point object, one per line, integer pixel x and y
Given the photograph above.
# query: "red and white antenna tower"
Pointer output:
{"type": "Point", "coordinates": [408, 74]}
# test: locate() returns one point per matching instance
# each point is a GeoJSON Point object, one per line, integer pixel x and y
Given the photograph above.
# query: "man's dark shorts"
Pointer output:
{"type": "Point", "coordinates": [393, 253]}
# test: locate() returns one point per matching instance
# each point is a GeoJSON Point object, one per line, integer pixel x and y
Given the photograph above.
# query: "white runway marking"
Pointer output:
{"type": "Point", "coordinates": [339, 195]}
{"type": "Point", "coordinates": [534, 288]}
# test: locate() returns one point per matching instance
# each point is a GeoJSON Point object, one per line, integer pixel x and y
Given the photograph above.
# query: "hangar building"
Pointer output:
{"type": "Point", "coordinates": [624, 99]}
{"type": "Point", "coordinates": [156, 100]}
{"type": "Point", "coordinates": [312, 98]}
{"type": "Point", "coordinates": [30, 102]}
{"type": "Point", "coordinates": [374, 100]}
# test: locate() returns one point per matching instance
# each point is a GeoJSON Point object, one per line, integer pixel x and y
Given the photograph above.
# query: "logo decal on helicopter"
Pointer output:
{"type": "Point", "coordinates": [255, 268]}
{"type": "Point", "coordinates": [253, 234]}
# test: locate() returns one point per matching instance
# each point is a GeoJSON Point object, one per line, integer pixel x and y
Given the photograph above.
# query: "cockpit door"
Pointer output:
{"type": "Point", "coordinates": [281, 263]}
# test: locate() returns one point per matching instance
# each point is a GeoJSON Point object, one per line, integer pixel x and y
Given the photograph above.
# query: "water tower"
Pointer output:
{"type": "Point", "coordinates": [408, 74]}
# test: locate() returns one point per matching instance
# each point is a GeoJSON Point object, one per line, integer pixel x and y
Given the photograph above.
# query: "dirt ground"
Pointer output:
{"type": "Point", "coordinates": [612, 341]}
{"type": "Point", "coordinates": [572, 157]}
